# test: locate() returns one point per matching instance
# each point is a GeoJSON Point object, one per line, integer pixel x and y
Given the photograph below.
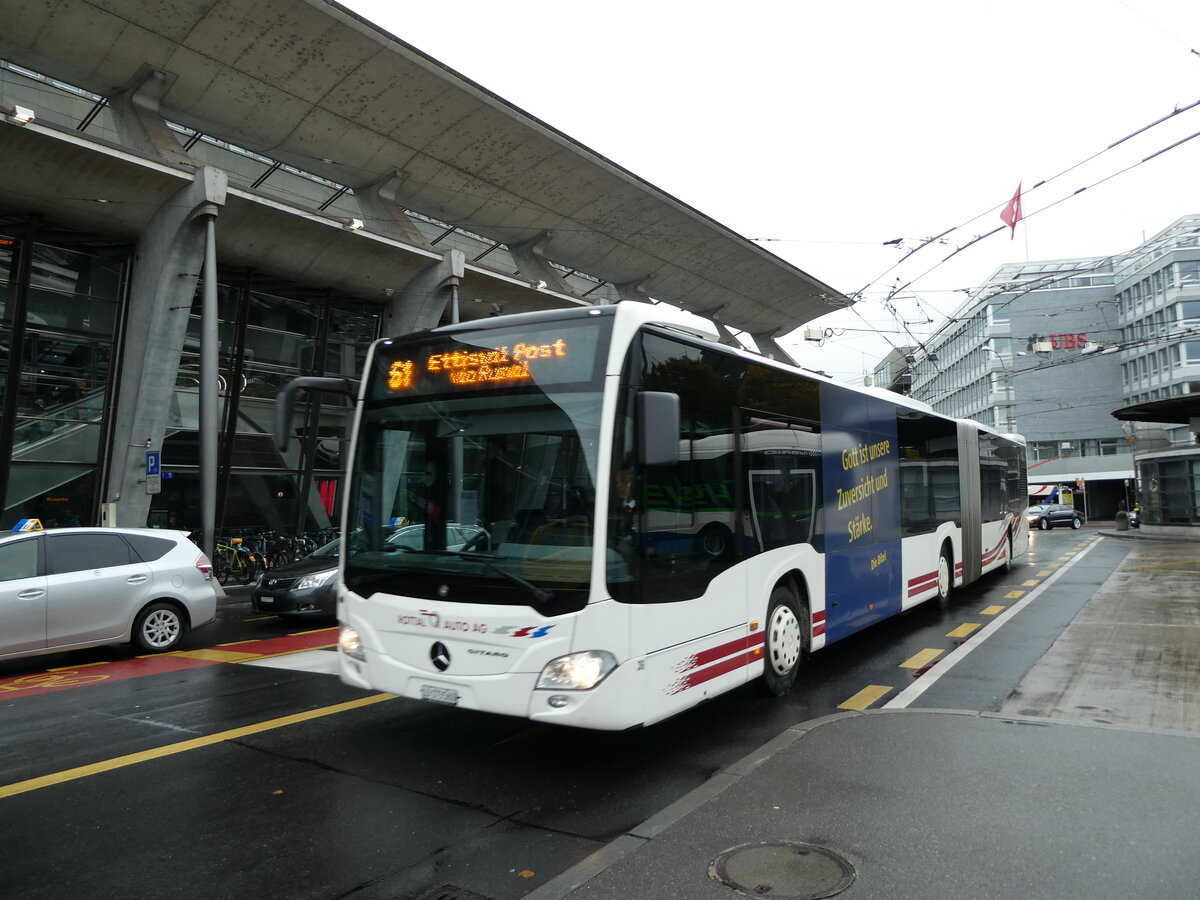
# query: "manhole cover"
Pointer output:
{"type": "Point", "coordinates": [785, 870]}
{"type": "Point", "coordinates": [450, 892]}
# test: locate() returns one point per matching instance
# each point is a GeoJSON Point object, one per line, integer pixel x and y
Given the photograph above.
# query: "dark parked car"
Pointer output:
{"type": "Point", "coordinates": [1047, 515]}
{"type": "Point", "coordinates": [308, 586]}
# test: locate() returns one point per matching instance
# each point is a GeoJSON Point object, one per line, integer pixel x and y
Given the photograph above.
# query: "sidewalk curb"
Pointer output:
{"type": "Point", "coordinates": [640, 836]}
{"type": "Point", "coordinates": [1137, 535]}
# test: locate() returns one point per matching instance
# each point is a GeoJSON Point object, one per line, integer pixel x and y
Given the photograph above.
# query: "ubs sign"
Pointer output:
{"type": "Point", "coordinates": [1068, 341]}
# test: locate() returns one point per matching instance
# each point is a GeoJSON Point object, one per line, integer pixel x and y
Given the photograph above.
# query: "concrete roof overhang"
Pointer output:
{"type": "Point", "coordinates": [308, 83]}
{"type": "Point", "coordinates": [255, 232]}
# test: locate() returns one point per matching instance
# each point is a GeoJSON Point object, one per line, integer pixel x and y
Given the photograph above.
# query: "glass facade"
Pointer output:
{"type": "Point", "coordinates": [1169, 490]}
{"type": "Point", "coordinates": [60, 314]}
{"type": "Point", "coordinates": [58, 319]}
{"type": "Point", "coordinates": [1158, 311]}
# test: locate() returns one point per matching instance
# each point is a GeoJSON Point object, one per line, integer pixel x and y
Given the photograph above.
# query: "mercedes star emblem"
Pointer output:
{"type": "Point", "coordinates": [440, 656]}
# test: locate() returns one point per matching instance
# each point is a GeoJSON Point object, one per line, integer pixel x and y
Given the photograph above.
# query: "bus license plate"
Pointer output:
{"type": "Point", "coordinates": [435, 694]}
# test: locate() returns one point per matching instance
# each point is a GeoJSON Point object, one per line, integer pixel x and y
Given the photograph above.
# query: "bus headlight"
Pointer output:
{"type": "Point", "coordinates": [316, 579]}
{"type": "Point", "coordinates": [351, 644]}
{"type": "Point", "coordinates": [577, 671]}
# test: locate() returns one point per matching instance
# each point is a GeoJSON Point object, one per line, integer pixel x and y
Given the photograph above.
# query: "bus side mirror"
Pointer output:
{"type": "Point", "coordinates": [658, 428]}
{"type": "Point", "coordinates": [286, 400]}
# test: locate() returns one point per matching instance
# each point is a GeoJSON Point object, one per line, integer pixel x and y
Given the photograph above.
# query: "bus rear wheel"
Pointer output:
{"type": "Point", "coordinates": [945, 578]}
{"type": "Point", "coordinates": [786, 640]}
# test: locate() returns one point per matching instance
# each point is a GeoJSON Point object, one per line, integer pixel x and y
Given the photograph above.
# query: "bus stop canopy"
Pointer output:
{"type": "Point", "coordinates": [310, 84]}
{"type": "Point", "coordinates": [1182, 410]}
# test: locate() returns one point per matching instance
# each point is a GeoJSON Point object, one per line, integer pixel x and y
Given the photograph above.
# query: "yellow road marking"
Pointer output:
{"type": "Point", "coordinates": [1066, 557]}
{"type": "Point", "coordinates": [921, 660]}
{"type": "Point", "coordinates": [991, 610]}
{"type": "Point", "coordinates": [1014, 595]}
{"type": "Point", "coordinates": [963, 630]}
{"type": "Point", "coordinates": [214, 655]}
{"type": "Point", "coordinates": [865, 697]}
{"type": "Point", "coordinates": [1054, 565]}
{"type": "Point", "coordinates": [80, 666]}
{"type": "Point", "coordinates": [1033, 582]}
{"type": "Point", "coordinates": [1044, 574]}
{"type": "Point", "coordinates": [132, 759]}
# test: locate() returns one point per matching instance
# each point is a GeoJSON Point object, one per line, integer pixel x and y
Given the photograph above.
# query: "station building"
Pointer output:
{"type": "Point", "coordinates": [1051, 349]}
{"type": "Point", "coordinates": [257, 191]}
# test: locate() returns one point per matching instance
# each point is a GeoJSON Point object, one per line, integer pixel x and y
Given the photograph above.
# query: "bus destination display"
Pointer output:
{"type": "Point", "coordinates": [565, 356]}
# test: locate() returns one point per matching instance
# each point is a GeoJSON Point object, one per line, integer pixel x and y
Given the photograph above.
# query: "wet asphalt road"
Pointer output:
{"type": "Point", "coordinates": [233, 779]}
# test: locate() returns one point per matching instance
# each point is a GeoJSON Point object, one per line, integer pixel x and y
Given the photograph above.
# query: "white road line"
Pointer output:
{"type": "Point", "coordinates": [926, 681]}
{"type": "Point", "coordinates": [322, 662]}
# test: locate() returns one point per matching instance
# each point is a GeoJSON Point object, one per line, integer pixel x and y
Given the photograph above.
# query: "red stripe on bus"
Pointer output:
{"type": "Point", "coordinates": [996, 552]}
{"type": "Point", "coordinates": [704, 657]}
{"type": "Point", "coordinates": [700, 676]}
{"type": "Point", "coordinates": [819, 616]}
{"type": "Point", "coordinates": [818, 630]}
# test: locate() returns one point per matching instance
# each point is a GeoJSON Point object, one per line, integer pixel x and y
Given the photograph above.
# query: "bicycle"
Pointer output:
{"type": "Point", "coordinates": [235, 563]}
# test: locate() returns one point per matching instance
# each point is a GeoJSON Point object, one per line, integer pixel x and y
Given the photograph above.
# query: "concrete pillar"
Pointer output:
{"type": "Point", "coordinates": [166, 268]}
{"type": "Point", "coordinates": [634, 290]}
{"type": "Point", "coordinates": [384, 213]}
{"type": "Point", "coordinates": [530, 258]}
{"type": "Point", "coordinates": [769, 347]}
{"type": "Point", "coordinates": [139, 124]}
{"type": "Point", "coordinates": [724, 335]}
{"type": "Point", "coordinates": [421, 303]}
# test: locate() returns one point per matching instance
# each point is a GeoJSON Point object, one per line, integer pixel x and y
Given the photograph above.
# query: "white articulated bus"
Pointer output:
{"type": "Point", "coordinates": [655, 517]}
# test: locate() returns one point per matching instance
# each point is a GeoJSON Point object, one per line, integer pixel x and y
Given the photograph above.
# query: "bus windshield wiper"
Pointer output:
{"type": "Point", "coordinates": [539, 595]}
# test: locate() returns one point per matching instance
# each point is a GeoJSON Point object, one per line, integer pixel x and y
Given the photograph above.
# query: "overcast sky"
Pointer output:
{"type": "Point", "coordinates": [823, 130]}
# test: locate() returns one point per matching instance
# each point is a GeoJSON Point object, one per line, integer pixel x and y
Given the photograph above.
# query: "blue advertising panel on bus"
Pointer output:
{"type": "Point", "coordinates": [860, 464]}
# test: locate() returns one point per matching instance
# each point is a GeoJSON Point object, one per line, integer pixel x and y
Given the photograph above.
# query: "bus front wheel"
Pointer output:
{"type": "Point", "coordinates": [786, 638]}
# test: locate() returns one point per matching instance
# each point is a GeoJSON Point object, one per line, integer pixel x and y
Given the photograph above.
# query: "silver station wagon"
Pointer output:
{"type": "Point", "coordinates": [66, 588]}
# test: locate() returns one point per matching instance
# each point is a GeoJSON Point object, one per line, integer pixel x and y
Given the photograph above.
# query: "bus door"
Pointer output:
{"type": "Point", "coordinates": [783, 504]}
{"type": "Point", "coordinates": [781, 463]}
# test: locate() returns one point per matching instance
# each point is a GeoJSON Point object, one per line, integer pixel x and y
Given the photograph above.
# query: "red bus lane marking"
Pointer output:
{"type": "Point", "coordinates": [66, 677]}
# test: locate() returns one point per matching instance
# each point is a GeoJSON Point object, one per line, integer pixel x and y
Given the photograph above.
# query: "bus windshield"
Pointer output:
{"type": "Point", "coordinates": [474, 474]}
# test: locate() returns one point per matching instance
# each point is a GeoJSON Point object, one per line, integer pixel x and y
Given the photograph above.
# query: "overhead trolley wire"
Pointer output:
{"type": "Point", "coordinates": [935, 239]}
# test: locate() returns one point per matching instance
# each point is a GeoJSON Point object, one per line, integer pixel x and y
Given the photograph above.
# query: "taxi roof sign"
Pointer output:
{"type": "Point", "coordinates": [28, 525]}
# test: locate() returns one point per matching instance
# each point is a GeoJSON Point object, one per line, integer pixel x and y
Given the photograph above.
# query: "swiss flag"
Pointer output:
{"type": "Point", "coordinates": [1011, 214]}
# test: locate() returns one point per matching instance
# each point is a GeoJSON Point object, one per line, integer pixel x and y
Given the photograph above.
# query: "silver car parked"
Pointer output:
{"type": "Point", "coordinates": [66, 588]}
